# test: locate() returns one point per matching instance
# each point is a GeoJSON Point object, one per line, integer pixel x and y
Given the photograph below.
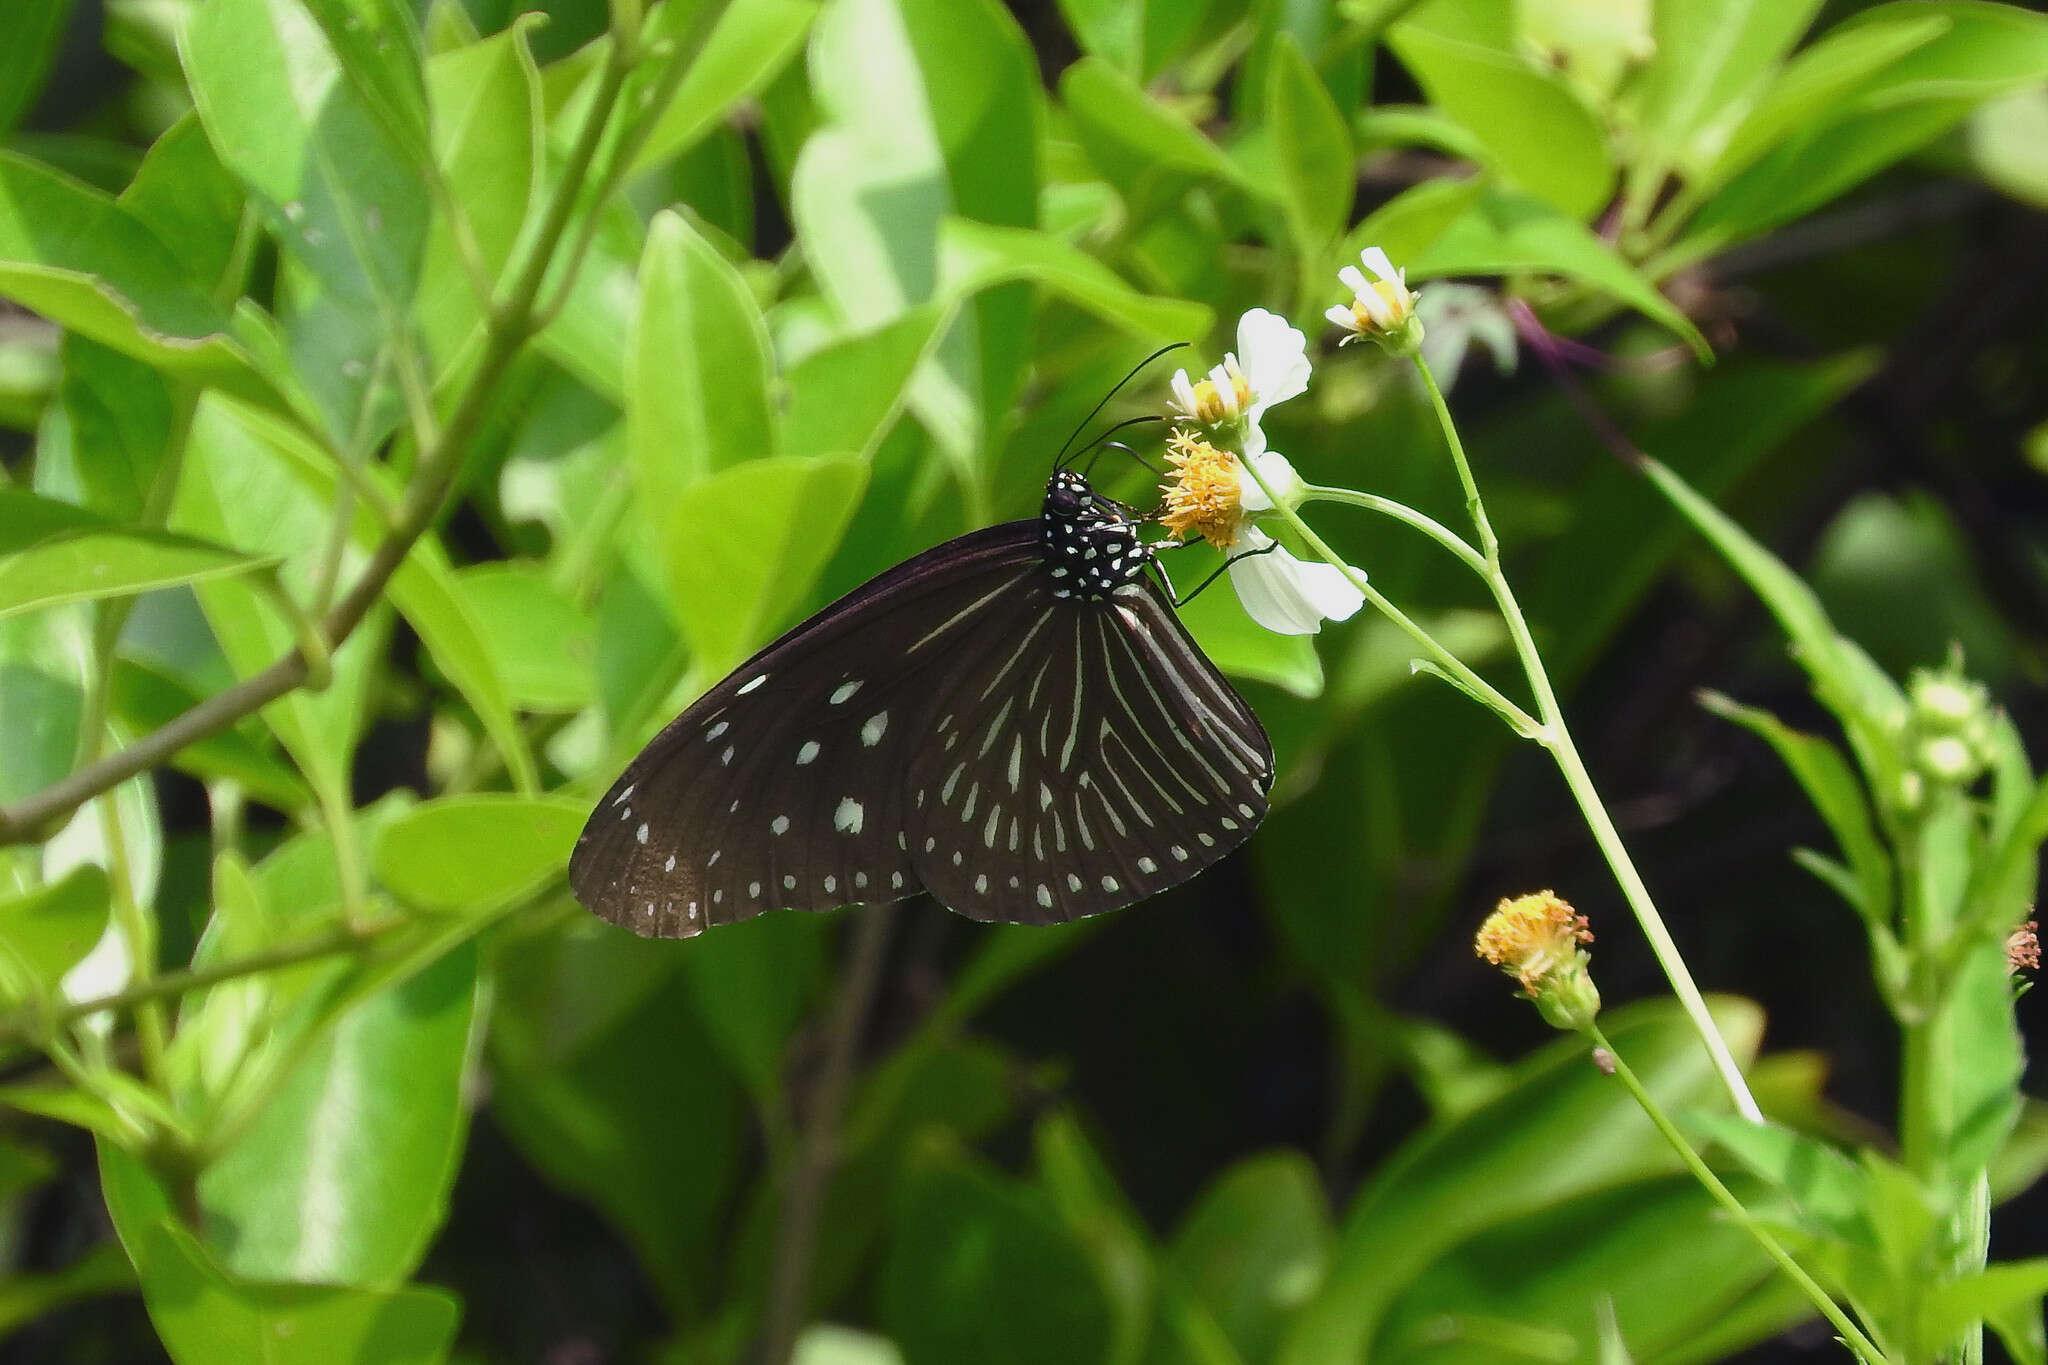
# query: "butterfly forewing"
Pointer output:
{"type": "Point", "coordinates": [1097, 759]}
{"type": "Point", "coordinates": [782, 787]}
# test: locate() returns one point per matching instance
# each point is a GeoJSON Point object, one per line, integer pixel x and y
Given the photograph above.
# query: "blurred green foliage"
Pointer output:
{"type": "Point", "coordinates": [411, 405]}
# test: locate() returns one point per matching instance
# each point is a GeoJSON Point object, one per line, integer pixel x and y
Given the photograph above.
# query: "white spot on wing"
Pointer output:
{"type": "Point", "coordinates": [641, 833]}
{"type": "Point", "coordinates": [845, 690]}
{"type": "Point", "coordinates": [751, 685]}
{"type": "Point", "coordinates": [871, 732]}
{"type": "Point", "coordinates": [847, 818]}
{"type": "Point", "coordinates": [780, 824]}
{"type": "Point", "coordinates": [807, 753]}
{"type": "Point", "coordinates": [1045, 895]}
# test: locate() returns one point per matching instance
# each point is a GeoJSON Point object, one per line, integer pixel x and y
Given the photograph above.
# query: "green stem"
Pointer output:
{"type": "Point", "coordinates": [1451, 665]}
{"type": "Point", "coordinates": [1399, 511]}
{"type": "Point", "coordinates": [1723, 1196]}
{"type": "Point", "coordinates": [1555, 736]}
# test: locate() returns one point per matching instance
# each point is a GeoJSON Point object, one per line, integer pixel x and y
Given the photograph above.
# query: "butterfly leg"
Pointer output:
{"type": "Point", "coordinates": [1179, 601]}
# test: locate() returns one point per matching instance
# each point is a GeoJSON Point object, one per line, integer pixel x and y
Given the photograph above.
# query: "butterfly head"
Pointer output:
{"type": "Point", "coordinates": [1091, 544]}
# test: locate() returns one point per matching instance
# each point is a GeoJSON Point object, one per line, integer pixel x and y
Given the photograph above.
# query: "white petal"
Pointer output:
{"type": "Point", "coordinates": [1183, 393]}
{"type": "Point", "coordinates": [1274, 468]}
{"type": "Point", "coordinates": [1354, 280]}
{"type": "Point", "coordinates": [1287, 596]}
{"type": "Point", "coordinates": [1226, 391]}
{"type": "Point", "coordinates": [1342, 317]}
{"type": "Point", "coordinates": [1376, 261]}
{"type": "Point", "coordinates": [1378, 309]}
{"type": "Point", "coordinates": [1274, 356]}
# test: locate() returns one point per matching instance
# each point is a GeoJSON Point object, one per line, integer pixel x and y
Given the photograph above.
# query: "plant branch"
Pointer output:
{"type": "Point", "coordinates": [1556, 737]}
{"type": "Point", "coordinates": [509, 328]}
{"type": "Point", "coordinates": [818, 1152]}
{"type": "Point", "coordinates": [1725, 1197]}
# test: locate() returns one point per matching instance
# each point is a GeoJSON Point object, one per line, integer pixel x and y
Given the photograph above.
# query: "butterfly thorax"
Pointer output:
{"type": "Point", "coordinates": [1091, 545]}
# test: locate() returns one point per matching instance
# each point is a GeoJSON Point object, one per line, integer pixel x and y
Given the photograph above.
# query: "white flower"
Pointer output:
{"type": "Point", "coordinates": [1274, 368]}
{"type": "Point", "coordinates": [1382, 307]}
{"type": "Point", "coordinates": [1286, 595]}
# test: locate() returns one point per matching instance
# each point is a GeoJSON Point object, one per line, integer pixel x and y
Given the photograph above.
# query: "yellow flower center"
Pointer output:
{"type": "Point", "coordinates": [1211, 406]}
{"type": "Point", "coordinates": [1531, 936]}
{"type": "Point", "coordinates": [1393, 294]}
{"type": "Point", "coordinates": [1202, 494]}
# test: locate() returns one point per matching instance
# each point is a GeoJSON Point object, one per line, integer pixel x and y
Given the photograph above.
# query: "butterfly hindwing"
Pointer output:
{"type": "Point", "coordinates": [1096, 758]}
{"type": "Point", "coordinates": [782, 786]}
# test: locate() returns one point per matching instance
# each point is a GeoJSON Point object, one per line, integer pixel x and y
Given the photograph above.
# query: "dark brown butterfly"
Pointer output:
{"type": "Point", "coordinates": [1015, 721]}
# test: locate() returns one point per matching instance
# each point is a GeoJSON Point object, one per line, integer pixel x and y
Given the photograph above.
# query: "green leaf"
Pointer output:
{"type": "Point", "coordinates": [1985, 51]}
{"type": "Point", "coordinates": [1985, 1058]}
{"type": "Point", "coordinates": [1713, 58]}
{"type": "Point", "coordinates": [1537, 132]}
{"type": "Point", "coordinates": [189, 200]}
{"type": "Point", "coordinates": [754, 982]}
{"type": "Point", "coordinates": [470, 853]}
{"type": "Point", "coordinates": [979, 1270]}
{"type": "Point", "coordinates": [1837, 794]}
{"type": "Point", "coordinates": [1506, 234]}
{"type": "Point", "coordinates": [1317, 167]}
{"type": "Point", "coordinates": [541, 644]}
{"type": "Point", "coordinates": [750, 541]}
{"type": "Point", "coordinates": [570, 1084]}
{"type": "Point", "coordinates": [104, 443]}
{"type": "Point", "coordinates": [44, 932]}
{"type": "Point", "coordinates": [36, 27]}
{"type": "Point", "coordinates": [1560, 1130]}
{"type": "Point", "coordinates": [975, 256]}
{"type": "Point", "coordinates": [829, 1345]}
{"type": "Point", "coordinates": [2008, 142]}
{"type": "Point", "coordinates": [697, 371]}
{"type": "Point", "coordinates": [745, 50]}
{"type": "Point", "coordinates": [1828, 1187]}
{"type": "Point", "coordinates": [103, 1270]}
{"type": "Point", "coordinates": [205, 1315]}
{"type": "Point", "coordinates": [1841, 674]}
{"type": "Point", "coordinates": [1254, 1247]}
{"type": "Point", "coordinates": [1956, 1305]}
{"type": "Point", "coordinates": [52, 552]}
{"type": "Point", "coordinates": [343, 1177]}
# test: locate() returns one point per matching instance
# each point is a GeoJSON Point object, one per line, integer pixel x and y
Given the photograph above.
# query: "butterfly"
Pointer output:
{"type": "Point", "coordinates": [1015, 721]}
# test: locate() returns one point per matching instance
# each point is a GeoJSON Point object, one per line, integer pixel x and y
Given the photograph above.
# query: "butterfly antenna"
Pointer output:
{"type": "Point", "coordinates": [1060, 461]}
{"type": "Point", "coordinates": [1103, 445]}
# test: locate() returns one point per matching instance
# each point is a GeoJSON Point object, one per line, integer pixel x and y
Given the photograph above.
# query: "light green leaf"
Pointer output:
{"type": "Point", "coordinates": [486, 110]}
{"type": "Point", "coordinates": [697, 370]}
{"type": "Point", "coordinates": [1955, 1305]}
{"type": "Point", "coordinates": [1406, 226]}
{"type": "Point", "coordinates": [1138, 142]}
{"type": "Point", "coordinates": [1312, 146]}
{"type": "Point", "coordinates": [931, 110]}
{"type": "Point", "coordinates": [976, 256]}
{"type": "Point", "coordinates": [469, 853]}
{"type": "Point", "coordinates": [746, 545]}
{"type": "Point", "coordinates": [52, 552]}
{"type": "Point", "coordinates": [845, 396]}
{"type": "Point", "coordinates": [205, 1315]}
{"type": "Point", "coordinates": [1507, 234]}
{"type": "Point", "coordinates": [2008, 142]}
{"type": "Point", "coordinates": [44, 932]}
{"type": "Point", "coordinates": [829, 1345]}
{"type": "Point", "coordinates": [1537, 132]}
{"type": "Point", "coordinates": [541, 644]}
{"type": "Point", "coordinates": [745, 50]}
{"type": "Point", "coordinates": [189, 201]}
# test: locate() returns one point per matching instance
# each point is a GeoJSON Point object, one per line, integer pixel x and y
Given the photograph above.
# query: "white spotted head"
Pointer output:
{"type": "Point", "coordinates": [1091, 544]}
